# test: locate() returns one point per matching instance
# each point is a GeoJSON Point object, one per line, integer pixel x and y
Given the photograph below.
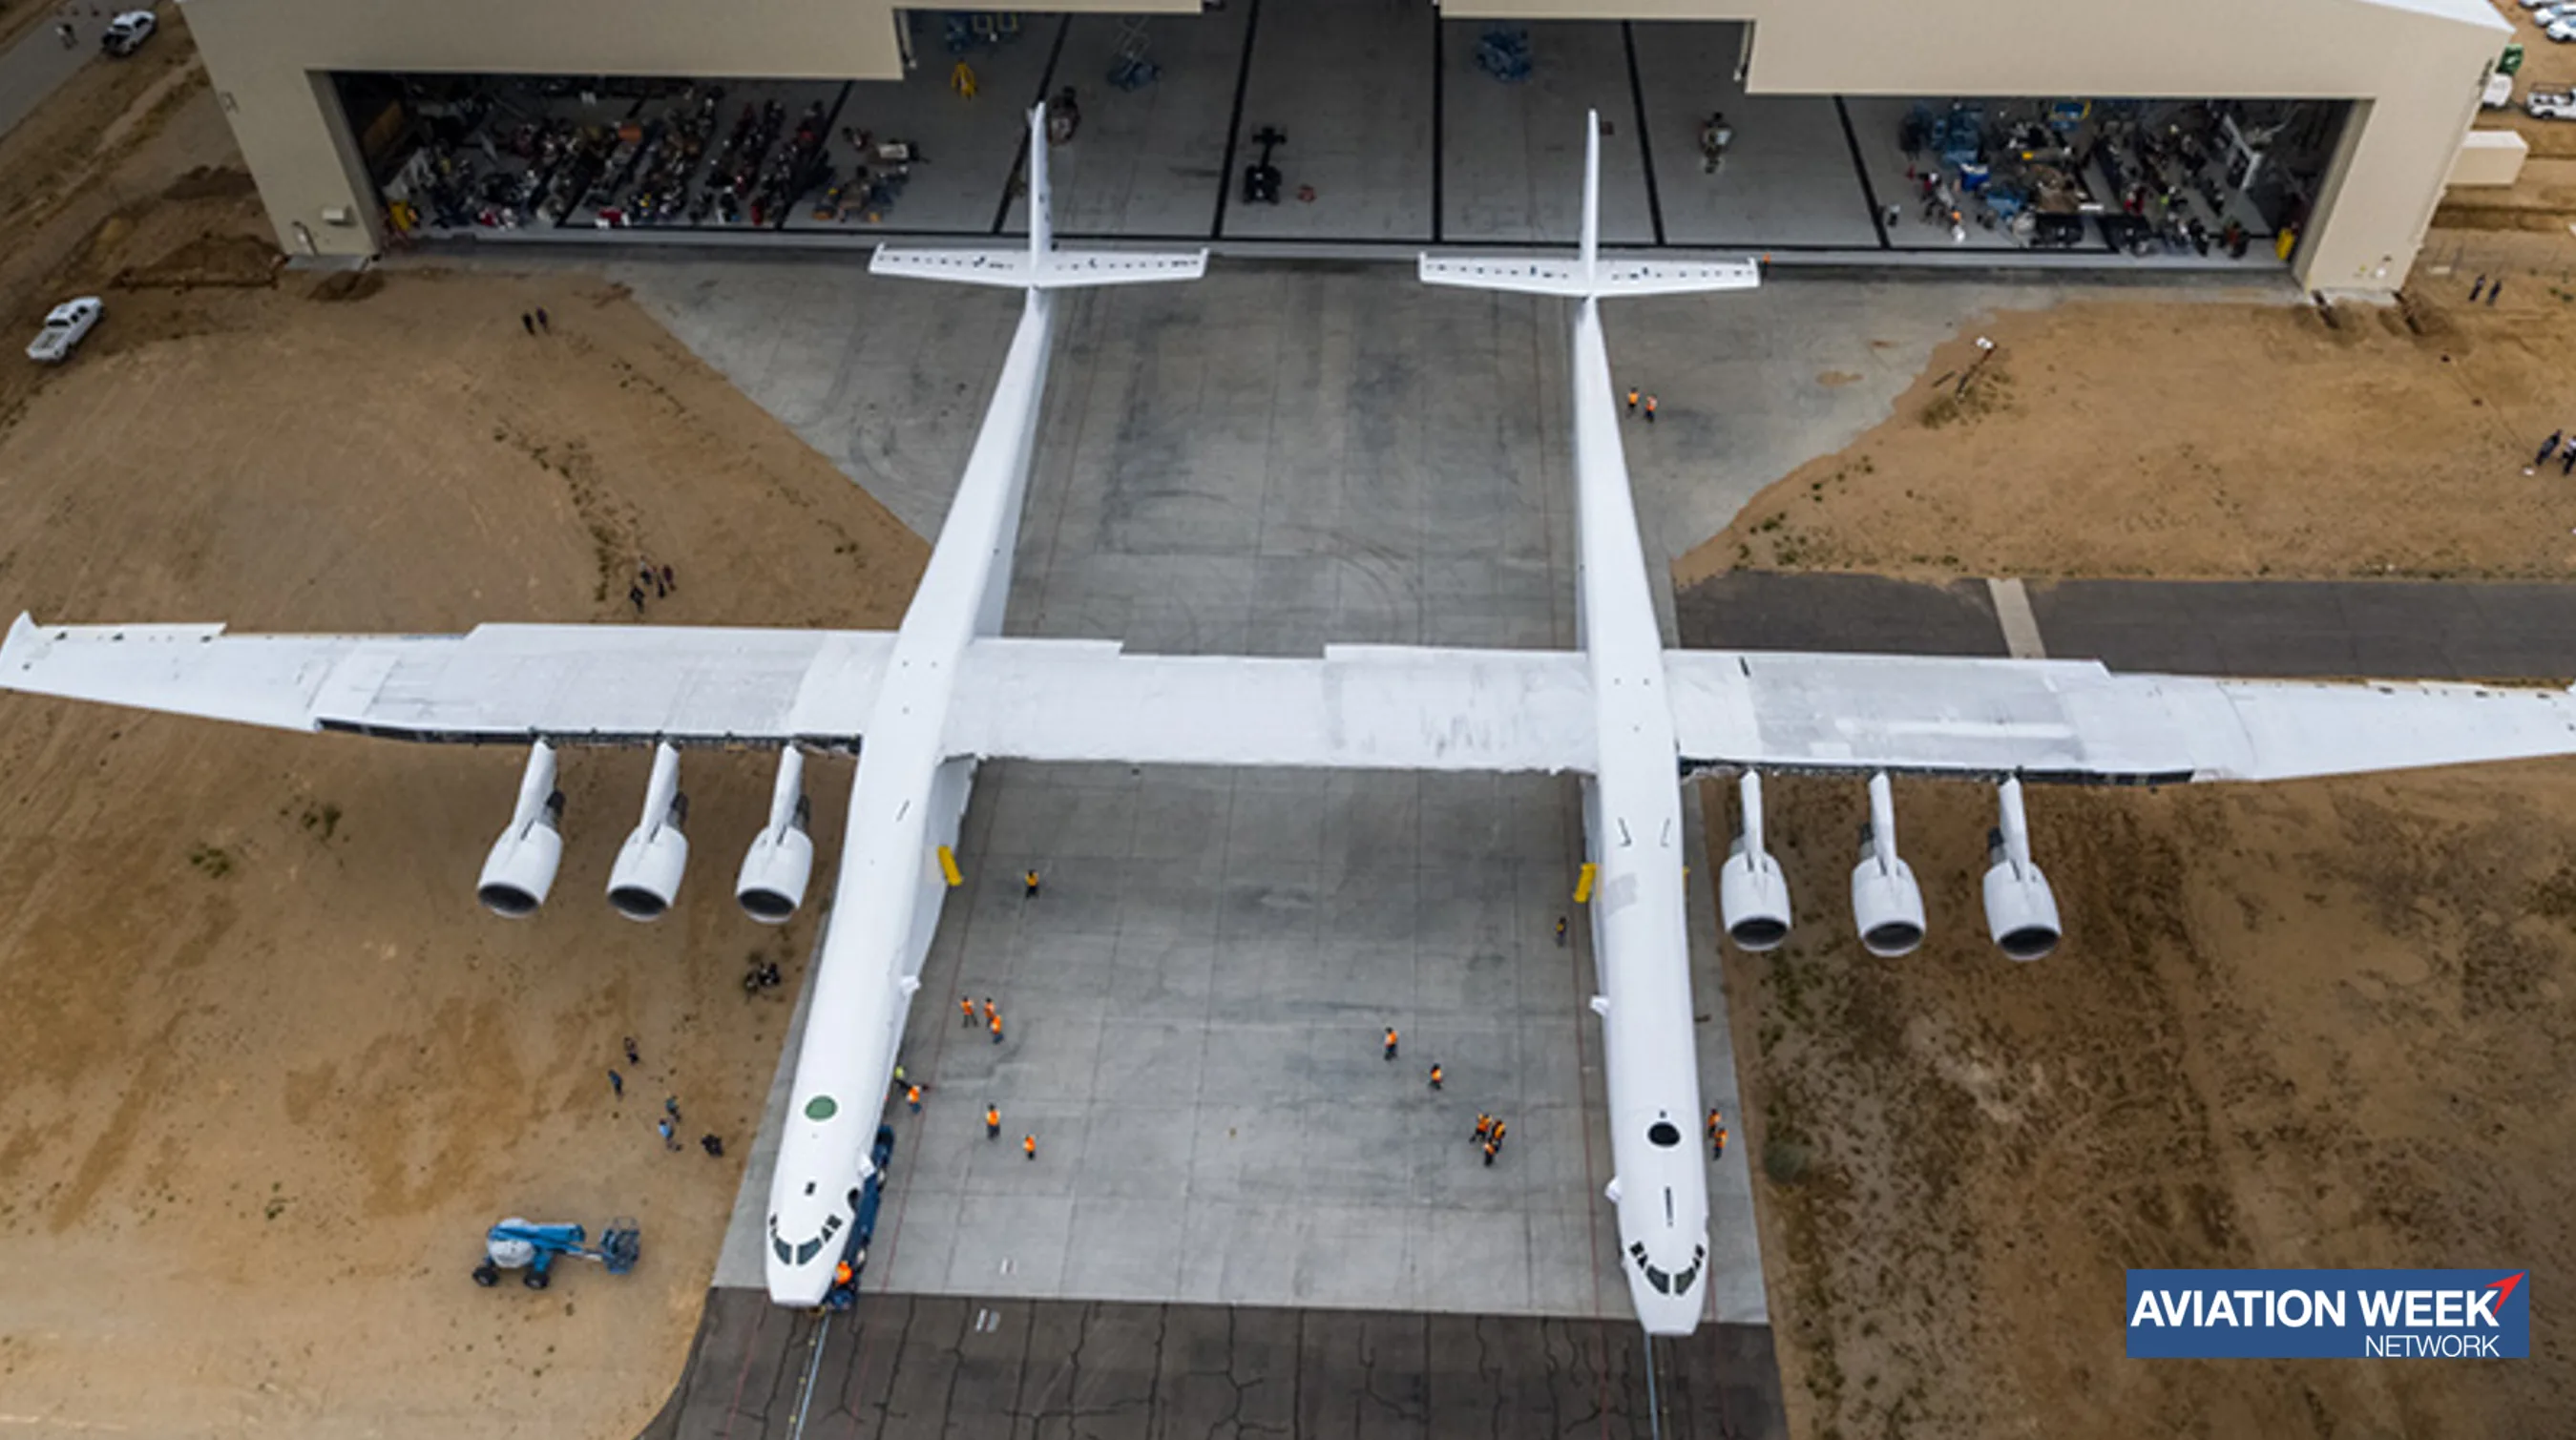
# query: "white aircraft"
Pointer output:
{"type": "Point", "coordinates": [946, 690]}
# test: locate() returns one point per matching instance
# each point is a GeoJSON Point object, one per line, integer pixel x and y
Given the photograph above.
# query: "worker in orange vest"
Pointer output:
{"type": "Point", "coordinates": [1390, 1042]}
{"type": "Point", "coordinates": [912, 1096]}
{"type": "Point", "coordinates": [997, 1027]}
{"type": "Point", "coordinates": [1632, 399]}
{"type": "Point", "coordinates": [1436, 1075]}
{"type": "Point", "coordinates": [1031, 880]}
{"type": "Point", "coordinates": [1490, 1149]}
{"type": "Point", "coordinates": [1650, 409]}
{"type": "Point", "coordinates": [842, 1275]}
{"type": "Point", "coordinates": [966, 1007]}
{"type": "Point", "coordinates": [992, 1122]}
{"type": "Point", "coordinates": [1484, 1125]}
{"type": "Point", "coordinates": [1717, 1150]}
{"type": "Point", "coordinates": [1029, 1146]}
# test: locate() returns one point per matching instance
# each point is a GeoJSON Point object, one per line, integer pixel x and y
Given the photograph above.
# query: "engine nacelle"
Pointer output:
{"type": "Point", "coordinates": [781, 858]}
{"type": "Point", "coordinates": [2021, 912]}
{"type": "Point", "coordinates": [521, 868]}
{"type": "Point", "coordinates": [1752, 894]}
{"type": "Point", "coordinates": [1887, 905]}
{"type": "Point", "coordinates": [646, 878]}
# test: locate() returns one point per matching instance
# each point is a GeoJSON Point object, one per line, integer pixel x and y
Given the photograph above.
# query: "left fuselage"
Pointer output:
{"type": "Point", "coordinates": [905, 804]}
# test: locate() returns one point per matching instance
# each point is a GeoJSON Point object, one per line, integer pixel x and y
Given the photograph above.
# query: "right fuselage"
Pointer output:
{"type": "Point", "coordinates": [1633, 834]}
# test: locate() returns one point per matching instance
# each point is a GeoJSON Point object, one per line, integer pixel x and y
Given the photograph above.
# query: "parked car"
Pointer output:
{"type": "Point", "coordinates": [64, 328]}
{"type": "Point", "coordinates": [126, 33]}
{"type": "Point", "coordinates": [2562, 29]}
{"type": "Point", "coordinates": [2499, 91]}
{"type": "Point", "coordinates": [2551, 104]}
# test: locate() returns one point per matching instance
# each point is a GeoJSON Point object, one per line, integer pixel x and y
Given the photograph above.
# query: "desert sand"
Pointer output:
{"type": "Point", "coordinates": [2322, 1024]}
{"type": "Point", "coordinates": [271, 1070]}
{"type": "Point", "coordinates": [2201, 440]}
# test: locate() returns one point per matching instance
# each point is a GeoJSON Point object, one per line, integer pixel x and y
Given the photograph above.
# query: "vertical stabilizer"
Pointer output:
{"type": "Point", "coordinates": [1041, 266]}
{"type": "Point", "coordinates": [1041, 195]}
{"type": "Point", "coordinates": [1587, 275]}
{"type": "Point", "coordinates": [1591, 253]}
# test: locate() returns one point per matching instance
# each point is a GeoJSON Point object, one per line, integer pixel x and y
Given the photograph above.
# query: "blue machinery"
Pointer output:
{"type": "Point", "coordinates": [517, 1244]}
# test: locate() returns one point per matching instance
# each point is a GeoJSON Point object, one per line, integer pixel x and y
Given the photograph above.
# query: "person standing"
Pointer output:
{"type": "Point", "coordinates": [1716, 1126]}
{"type": "Point", "coordinates": [1390, 1042]}
{"type": "Point", "coordinates": [1717, 1144]}
{"type": "Point", "coordinates": [1029, 1146]}
{"type": "Point", "coordinates": [1484, 1126]}
{"type": "Point", "coordinates": [1632, 400]}
{"type": "Point", "coordinates": [527, 322]}
{"type": "Point", "coordinates": [631, 1057]}
{"type": "Point", "coordinates": [912, 1097]}
{"type": "Point", "coordinates": [992, 1122]}
{"type": "Point", "coordinates": [966, 1009]}
{"type": "Point", "coordinates": [1495, 1136]}
{"type": "Point", "coordinates": [1436, 1075]}
{"type": "Point", "coordinates": [1031, 881]}
{"type": "Point", "coordinates": [1491, 1148]}
{"type": "Point", "coordinates": [617, 1084]}
{"type": "Point", "coordinates": [670, 581]}
{"type": "Point", "coordinates": [1650, 409]}
{"type": "Point", "coordinates": [2567, 461]}
{"type": "Point", "coordinates": [997, 1027]}
{"type": "Point", "coordinates": [989, 1012]}
{"type": "Point", "coordinates": [543, 323]}
{"type": "Point", "coordinates": [1560, 932]}
{"type": "Point", "coordinates": [635, 593]}
{"type": "Point", "coordinates": [2549, 447]}
{"type": "Point", "coordinates": [671, 1107]}
{"type": "Point", "coordinates": [668, 1143]}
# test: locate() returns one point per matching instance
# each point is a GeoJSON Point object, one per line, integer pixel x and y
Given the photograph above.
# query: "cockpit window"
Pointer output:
{"type": "Point", "coordinates": [1664, 1134]}
{"type": "Point", "coordinates": [808, 1251]}
{"type": "Point", "coordinates": [785, 1257]}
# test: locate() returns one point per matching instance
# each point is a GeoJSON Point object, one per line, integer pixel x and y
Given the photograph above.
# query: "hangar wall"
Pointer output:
{"type": "Point", "coordinates": [2417, 63]}
{"type": "Point", "coordinates": [271, 60]}
{"type": "Point", "coordinates": [2414, 64]}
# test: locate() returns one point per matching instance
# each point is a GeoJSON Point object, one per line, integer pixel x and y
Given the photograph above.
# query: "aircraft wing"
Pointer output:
{"type": "Point", "coordinates": [1357, 707]}
{"type": "Point", "coordinates": [567, 683]}
{"type": "Point", "coordinates": [1613, 279]}
{"type": "Point", "coordinates": [2075, 720]}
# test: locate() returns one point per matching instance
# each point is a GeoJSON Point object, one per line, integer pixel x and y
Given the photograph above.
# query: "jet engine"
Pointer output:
{"type": "Point", "coordinates": [781, 858]}
{"type": "Point", "coordinates": [1751, 892]}
{"type": "Point", "coordinates": [646, 877]}
{"type": "Point", "coordinates": [1886, 903]}
{"type": "Point", "coordinates": [521, 868]}
{"type": "Point", "coordinates": [2021, 913]}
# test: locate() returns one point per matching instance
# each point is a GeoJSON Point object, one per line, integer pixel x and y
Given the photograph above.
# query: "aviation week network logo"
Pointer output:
{"type": "Point", "coordinates": [2329, 1314]}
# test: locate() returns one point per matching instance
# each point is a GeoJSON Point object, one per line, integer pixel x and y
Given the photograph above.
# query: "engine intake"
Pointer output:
{"type": "Point", "coordinates": [646, 878]}
{"type": "Point", "coordinates": [1752, 894]}
{"type": "Point", "coordinates": [781, 859]}
{"type": "Point", "coordinates": [2021, 911]}
{"type": "Point", "coordinates": [521, 868]}
{"type": "Point", "coordinates": [1887, 905]}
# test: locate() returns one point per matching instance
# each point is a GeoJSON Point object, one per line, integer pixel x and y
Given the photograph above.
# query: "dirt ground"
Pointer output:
{"type": "Point", "coordinates": [2322, 1024]}
{"type": "Point", "coordinates": [2182, 439]}
{"type": "Point", "coordinates": [270, 1068]}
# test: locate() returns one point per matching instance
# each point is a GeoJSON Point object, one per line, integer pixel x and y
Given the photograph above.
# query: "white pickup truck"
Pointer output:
{"type": "Point", "coordinates": [2551, 104]}
{"type": "Point", "coordinates": [64, 329]}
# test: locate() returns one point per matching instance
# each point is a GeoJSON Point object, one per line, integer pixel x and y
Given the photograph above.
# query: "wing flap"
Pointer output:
{"type": "Point", "coordinates": [1357, 707]}
{"type": "Point", "coordinates": [2048, 719]}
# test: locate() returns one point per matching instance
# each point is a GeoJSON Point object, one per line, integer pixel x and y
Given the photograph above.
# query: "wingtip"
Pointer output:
{"type": "Point", "coordinates": [23, 639]}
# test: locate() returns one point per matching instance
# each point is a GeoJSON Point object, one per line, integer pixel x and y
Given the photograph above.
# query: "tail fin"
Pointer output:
{"type": "Point", "coordinates": [1041, 266]}
{"type": "Point", "coordinates": [1041, 195]}
{"type": "Point", "coordinates": [1587, 275]}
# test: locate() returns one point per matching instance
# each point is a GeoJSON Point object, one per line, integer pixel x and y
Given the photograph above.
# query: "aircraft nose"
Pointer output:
{"type": "Point", "coordinates": [798, 1284]}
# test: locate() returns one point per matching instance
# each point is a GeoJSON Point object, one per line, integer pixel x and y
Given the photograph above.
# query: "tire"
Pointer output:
{"type": "Point", "coordinates": [535, 1280]}
{"type": "Point", "coordinates": [487, 1275]}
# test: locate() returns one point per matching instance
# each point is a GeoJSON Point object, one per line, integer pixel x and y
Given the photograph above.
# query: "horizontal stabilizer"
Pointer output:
{"type": "Point", "coordinates": [1549, 275]}
{"type": "Point", "coordinates": [1060, 270]}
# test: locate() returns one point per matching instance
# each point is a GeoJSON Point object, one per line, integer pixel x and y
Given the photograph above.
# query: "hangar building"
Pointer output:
{"type": "Point", "coordinates": [2313, 133]}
